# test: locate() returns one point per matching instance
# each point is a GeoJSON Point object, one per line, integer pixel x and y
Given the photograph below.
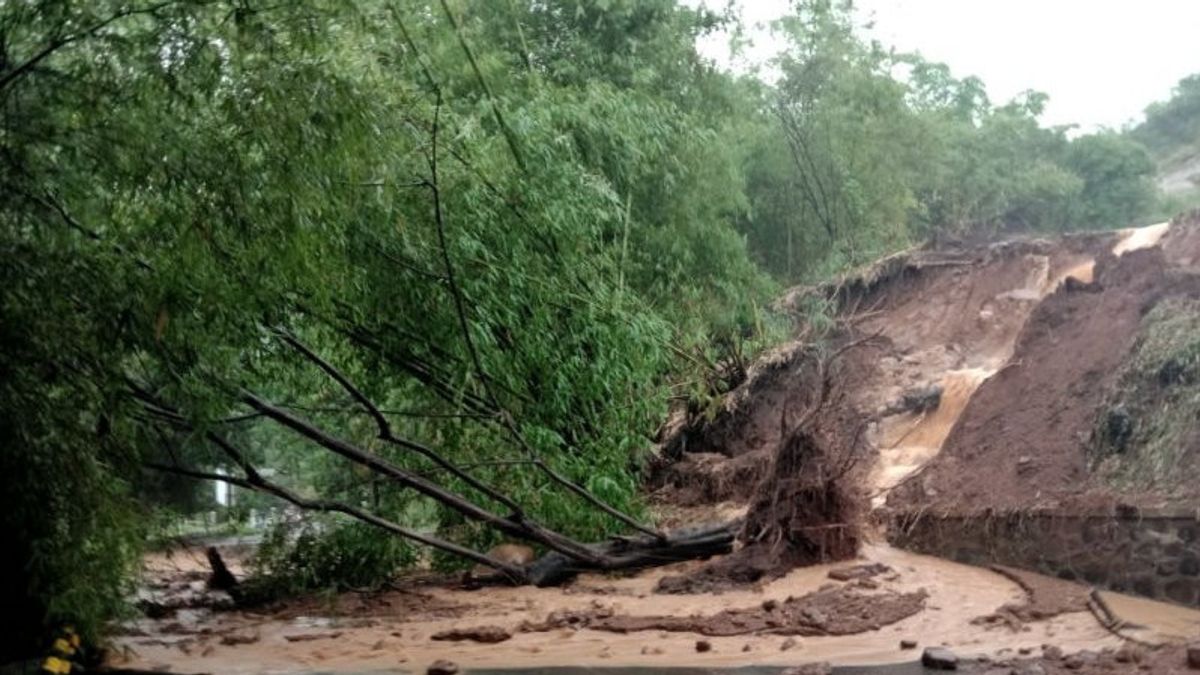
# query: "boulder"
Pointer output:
{"type": "Point", "coordinates": [939, 658]}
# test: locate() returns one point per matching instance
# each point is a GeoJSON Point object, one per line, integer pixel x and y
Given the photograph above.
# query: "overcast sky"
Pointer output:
{"type": "Point", "coordinates": [1101, 61]}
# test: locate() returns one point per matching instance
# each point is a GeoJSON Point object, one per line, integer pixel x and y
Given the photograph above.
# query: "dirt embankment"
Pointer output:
{"type": "Point", "coordinates": [1025, 440]}
{"type": "Point", "coordinates": [931, 320]}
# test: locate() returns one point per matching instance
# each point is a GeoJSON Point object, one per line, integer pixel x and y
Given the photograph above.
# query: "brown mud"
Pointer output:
{"type": "Point", "coordinates": [387, 632]}
{"type": "Point", "coordinates": [1045, 597]}
{"type": "Point", "coordinates": [834, 611]}
{"type": "Point", "coordinates": [1021, 442]}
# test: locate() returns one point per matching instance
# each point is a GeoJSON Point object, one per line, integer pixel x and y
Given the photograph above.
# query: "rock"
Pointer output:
{"type": "Point", "coordinates": [788, 644]}
{"type": "Point", "coordinates": [908, 644]}
{"type": "Point", "coordinates": [703, 646]}
{"type": "Point", "coordinates": [821, 668]}
{"type": "Point", "coordinates": [1193, 656]}
{"type": "Point", "coordinates": [939, 658]}
{"type": "Point", "coordinates": [308, 637]}
{"type": "Point", "coordinates": [1128, 653]}
{"type": "Point", "coordinates": [858, 572]}
{"type": "Point", "coordinates": [746, 647]}
{"type": "Point", "coordinates": [1118, 429]}
{"type": "Point", "coordinates": [442, 667]}
{"type": "Point", "coordinates": [1029, 669]}
{"type": "Point", "coordinates": [1051, 652]}
{"type": "Point", "coordinates": [922, 400]}
{"type": "Point", "coordinates": [1024, 463]}
{"type": "Point", "coordinates": [651, 651]}
{"type": "Point", "coordinates": [239, 639]}
{"type": "Point", "coordinates": [770, 605]}
{"type": "Point", "coordinates": [484, 634]}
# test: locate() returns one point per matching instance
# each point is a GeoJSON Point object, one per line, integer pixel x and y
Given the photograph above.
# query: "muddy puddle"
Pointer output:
{"type": "Point", "coordinates": [956, 344]}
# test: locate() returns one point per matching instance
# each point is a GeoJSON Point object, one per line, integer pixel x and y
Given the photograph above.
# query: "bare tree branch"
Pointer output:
{"type": "Point", "coordinates": [385, 428]}
{"type": "Point", "coordinates": [516, 525]}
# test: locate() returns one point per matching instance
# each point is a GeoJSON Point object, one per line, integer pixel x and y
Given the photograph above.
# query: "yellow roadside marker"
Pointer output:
{"type": "Point", "coordinates": [55, 665]}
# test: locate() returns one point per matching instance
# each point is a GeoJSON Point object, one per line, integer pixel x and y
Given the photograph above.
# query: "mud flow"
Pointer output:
{"type": "Point", "coordinates": [944, 328]}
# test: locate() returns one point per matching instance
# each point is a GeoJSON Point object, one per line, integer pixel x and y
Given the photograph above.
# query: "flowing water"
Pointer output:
{"type": "Point", "coordinates": [1135, 238]}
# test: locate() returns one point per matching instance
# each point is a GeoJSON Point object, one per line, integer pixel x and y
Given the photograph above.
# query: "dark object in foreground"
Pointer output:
{"type": "Point", "coordinates": [939, 658]}
{"type": "Point", "coordinates": [442, 667]}
{"type": "Point", "coordinates": [221, 579]}
{"type": "Point", "coordinates": [484, 634]}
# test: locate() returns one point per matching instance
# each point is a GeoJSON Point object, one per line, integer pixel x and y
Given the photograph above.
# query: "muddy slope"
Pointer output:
{"type": "Point", "coordinates": [930, 319]}
{"type": "Point", "coordinates": [1022, 442]}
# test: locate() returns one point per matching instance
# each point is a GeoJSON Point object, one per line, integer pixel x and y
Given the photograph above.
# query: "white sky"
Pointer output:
{"type": "Point", "coordinates": [1101, 61]}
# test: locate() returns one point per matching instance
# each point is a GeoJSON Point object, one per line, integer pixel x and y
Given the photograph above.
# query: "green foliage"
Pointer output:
{"type": "Point", "coordinates": [1174, 123]}
{"type": "Point", "coordinates": [1145, 430]}
{"type": "Point", "coordinates": [181, 182]}
{"type": "Point", "coordinates": [1116, 173]}
{"type": "Point", "coordinates": [326, 555]}
{"type": "Point", "coordinates": [877, 150]}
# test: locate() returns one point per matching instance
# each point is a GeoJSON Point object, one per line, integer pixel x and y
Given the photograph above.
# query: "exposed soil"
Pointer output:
{"type": "Point", "coordinates": [1181, 243]}
{"type": "Point", "coordinates": [1021, 441]}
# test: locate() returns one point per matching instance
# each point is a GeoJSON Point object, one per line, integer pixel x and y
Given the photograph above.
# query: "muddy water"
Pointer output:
{"type": "Point", "coordinates": [1152, 621]}
{"type": "Point", "coordinates": [910, 440]}
{"type": "Point", "coordinates": [371, 641]}
{"type": "Point", "coordinates": [1140, 237]}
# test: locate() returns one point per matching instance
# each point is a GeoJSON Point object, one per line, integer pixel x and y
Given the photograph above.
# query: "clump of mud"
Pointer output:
{"type": "Point", "coordinates": [835, 611]}
{"type": "Point", "coordinates": [710, 478]}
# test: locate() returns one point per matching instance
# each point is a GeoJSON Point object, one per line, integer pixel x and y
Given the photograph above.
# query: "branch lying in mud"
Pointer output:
{"type": "Point", "coordinates": [567, 556]}
{"type": "Point", "coordinates": [255, 482]}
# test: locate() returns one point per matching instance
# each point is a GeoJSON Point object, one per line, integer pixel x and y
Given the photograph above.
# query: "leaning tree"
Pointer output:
{"type": "Point", "coordinates": [314, 251]}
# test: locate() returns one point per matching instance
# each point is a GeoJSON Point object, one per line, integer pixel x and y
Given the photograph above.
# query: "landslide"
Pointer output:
{"type": "Point", "coordinates": [916, 334]}
{"type": "Point", "coordinates": [940, 318]}
{"type": "Point", "coordinates": [1096, 407]}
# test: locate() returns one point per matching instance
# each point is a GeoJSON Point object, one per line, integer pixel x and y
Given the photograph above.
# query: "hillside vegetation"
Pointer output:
{"type": "Point", "coordinates": [1171, 131]}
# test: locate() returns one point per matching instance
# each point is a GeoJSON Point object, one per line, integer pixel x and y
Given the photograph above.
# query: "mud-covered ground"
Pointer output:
{"type": "Point", "coordinates": [355, 632]}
